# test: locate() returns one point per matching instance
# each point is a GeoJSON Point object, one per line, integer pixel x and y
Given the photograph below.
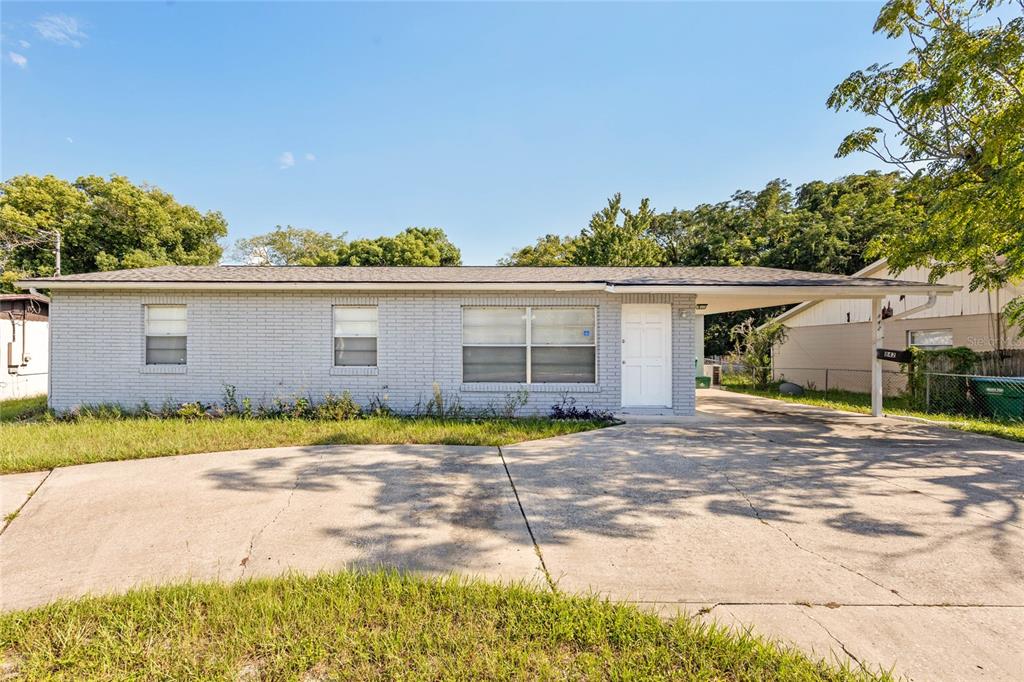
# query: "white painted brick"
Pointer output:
{"type": "Point", "coordinates": [279, 345]}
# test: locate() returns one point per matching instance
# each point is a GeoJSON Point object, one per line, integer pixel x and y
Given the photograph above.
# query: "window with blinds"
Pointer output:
{"type": "Point", "coordinates": [355, 336]}
{"type": "Point", "coordinates": [533, 345]}
{"type": "Point", "coordinates": [166, 335]}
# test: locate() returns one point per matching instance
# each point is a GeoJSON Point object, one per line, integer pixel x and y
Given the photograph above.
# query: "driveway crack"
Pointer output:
{"type": "Point", "coordinates": [834, 639]}
{"type": "Point", "coordinates": [9, 519]}
{"type": "Point", "coordinates": [529, 529]}
{"type": "Point", "coordinates": [244, 563]}
{"type": "Point", "coordinates": [757, 514]}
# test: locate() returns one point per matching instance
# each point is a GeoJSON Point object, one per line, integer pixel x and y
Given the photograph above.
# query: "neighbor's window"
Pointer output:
{"type": "Point", "coordinates": [528, 345]}
{"type": "Point", "coordinates": [930, 338]}
{"type": "Point", "coordinates": [166, 335]}
{"type": "Point", "coordinates": [355, 336]}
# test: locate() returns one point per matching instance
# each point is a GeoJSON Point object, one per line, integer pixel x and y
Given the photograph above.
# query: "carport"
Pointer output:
{"type": "Point", "coordinates": [732, 296]}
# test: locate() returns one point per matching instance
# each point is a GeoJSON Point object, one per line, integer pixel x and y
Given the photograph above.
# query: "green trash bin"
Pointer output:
{"type": "Point", "coordinates": [703, 382]}
{"type": "Point", "coordinates": [1003, 397]}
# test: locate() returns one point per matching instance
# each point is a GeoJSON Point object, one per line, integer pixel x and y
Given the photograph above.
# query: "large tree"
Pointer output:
{"type": "Point", "coordinates": [104, 224]}
{"type": "Point", "coordinates": [427, 246]}
{"type": "Point", "coordinates": [952, 118]}
{"type": "Point", "coordinates": [615, 236]}
{"type": "Point", "coordinates": [821, 226]}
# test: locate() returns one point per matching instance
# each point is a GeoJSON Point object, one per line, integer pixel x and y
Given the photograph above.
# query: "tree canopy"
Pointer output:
{"type": "Point", "coordinates": [820, 227]}
{"type": "Point", "coordinates": [105, 224]}
{"type": "Point", "coordinates": [288, 245]}
{"type": "Point", "coordinates": [953, 117]}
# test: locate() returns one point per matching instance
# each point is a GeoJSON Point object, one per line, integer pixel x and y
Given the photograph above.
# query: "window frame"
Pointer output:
{"type": "Point", "coordinates": [146, 307]}
{"type": "Point", "coordinates": [528, 344]}
{"type": "Point", "coordinates": [911, 344]}
{"type": "Point", "coordinates": [334, 337]}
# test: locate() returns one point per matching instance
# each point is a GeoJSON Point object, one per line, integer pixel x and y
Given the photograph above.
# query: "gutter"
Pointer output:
{"type": "Point", "coordinates": [932, 298]}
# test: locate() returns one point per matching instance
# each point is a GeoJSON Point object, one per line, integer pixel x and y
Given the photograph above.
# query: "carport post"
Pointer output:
{"type": "Point", "coordinates": [877, 337]}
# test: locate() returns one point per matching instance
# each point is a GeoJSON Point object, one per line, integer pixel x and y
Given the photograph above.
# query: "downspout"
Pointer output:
{"type": "Point", "coordinates": [930, 303]}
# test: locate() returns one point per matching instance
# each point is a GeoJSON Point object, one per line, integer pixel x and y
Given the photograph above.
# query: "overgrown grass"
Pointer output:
{"type": "Point", "coordinates": [22, 408]}
{"type": "Point", "coordinates": [381, 625]}
{"type": "Point", "coordinates": [31, 446]}
{"type": "Point", "coordinates": [861, 402]}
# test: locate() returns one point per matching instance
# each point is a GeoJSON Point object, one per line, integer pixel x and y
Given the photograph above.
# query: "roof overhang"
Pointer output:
{"type": "Point", "coordinates": [712, 298]}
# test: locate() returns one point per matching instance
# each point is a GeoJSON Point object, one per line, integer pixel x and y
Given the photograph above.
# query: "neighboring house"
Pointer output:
{"type": "Point", "coordinates": [611, 338]}
{"type": "Point", "coordinates": [836, 335]}
{"type": "Point", "coordinates": [24, 345]}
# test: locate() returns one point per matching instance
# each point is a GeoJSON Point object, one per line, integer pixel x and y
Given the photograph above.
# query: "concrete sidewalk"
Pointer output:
{"type": "Point", "coordinates": [891, 544]}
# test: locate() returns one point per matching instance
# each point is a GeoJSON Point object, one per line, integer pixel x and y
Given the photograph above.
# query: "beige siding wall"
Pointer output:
{"type": "Point", "coordinates": [808, 351]}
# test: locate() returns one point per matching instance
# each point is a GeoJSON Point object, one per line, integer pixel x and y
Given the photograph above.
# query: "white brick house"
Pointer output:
{"type": "Point", "coordinates": [612, 338]}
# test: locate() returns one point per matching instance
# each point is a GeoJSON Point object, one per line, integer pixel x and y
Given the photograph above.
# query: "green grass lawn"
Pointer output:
{"type": "Point", "coordinates": [380, 625]}
{"type": "Point", "coordinates": [38, 444]}
{"type": "Point", "coordinates": [861, 402]}
{"type": "Point", "coordinates": [22, 408]}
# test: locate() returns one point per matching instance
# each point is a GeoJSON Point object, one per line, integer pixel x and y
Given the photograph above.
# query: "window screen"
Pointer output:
{"type": "Point", "coordinates": [355, 336]}
{"type": "Point", "coordinates": [166, 335]}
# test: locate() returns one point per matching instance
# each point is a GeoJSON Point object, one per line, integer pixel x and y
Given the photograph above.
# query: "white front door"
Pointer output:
{"type": "Point", "coordinates": [646, 355]}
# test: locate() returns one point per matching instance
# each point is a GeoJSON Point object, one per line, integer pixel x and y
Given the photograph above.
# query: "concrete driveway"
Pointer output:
{"type": "Point", "coordinates": [888, 543]}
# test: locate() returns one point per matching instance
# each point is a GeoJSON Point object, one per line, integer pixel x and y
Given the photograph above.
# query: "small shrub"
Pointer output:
{"type": "Point", "coordinates": [338, 408]}
{"type": "Point", "coordinates": [190, 411]}
{"type": "Point", "coordinates": [441, 407]}
{"type": "Point", "coordinates": [514, 402]}
{"type": "Point", "coordinates": [378, 406]}
{"type": "Point", "coordinates": [566, 409]}
{"type": "Point", "coordinates": [231, 400]}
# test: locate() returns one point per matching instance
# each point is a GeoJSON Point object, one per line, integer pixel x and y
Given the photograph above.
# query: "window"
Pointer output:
{"type": "Point", "coordinates": [355, 336]}
{"type": "Point", "coordinates": [528, 345]}
{"type": "Point", "coordinates": [930, 338]}
{"type": "Point", "coordinates": [166, 335]}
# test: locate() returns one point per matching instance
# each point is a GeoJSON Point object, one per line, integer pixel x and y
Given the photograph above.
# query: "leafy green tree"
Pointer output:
{"type": "Point", "coordinates": [105, 224]}
{"type": "Point", "coordinates": [549, 250]}
{"type": "Point", "coordinates": [607, 241]}
{"type": "Point", "coordinates": [290, 246]}
{"type": "Point", "coordinates": [423, 246]}
{"type": "Point", "coordinates": [955, 111]}
{"type": "Point", "coordinates": [753, 347]}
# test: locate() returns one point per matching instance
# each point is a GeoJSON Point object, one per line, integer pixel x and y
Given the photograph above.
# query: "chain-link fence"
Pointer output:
{"type": "Point", "coordinates": [1000, 398]}
{"type": "Point", "coordinates": [988, 397]}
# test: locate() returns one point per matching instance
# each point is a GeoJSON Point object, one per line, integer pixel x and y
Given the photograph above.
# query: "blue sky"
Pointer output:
{"type": "Point", "coordinates": [497, 122]}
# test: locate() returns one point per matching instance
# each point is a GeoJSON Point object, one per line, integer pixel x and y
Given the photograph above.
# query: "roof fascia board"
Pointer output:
{"type": "Point", "coordinates": [811, 292]}
{"type": "Point", "coordinates": [312, 286]}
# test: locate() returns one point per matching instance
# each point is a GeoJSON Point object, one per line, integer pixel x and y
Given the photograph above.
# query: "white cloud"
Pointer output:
{"type": "Point", "coordinates": [25, 44]}
{"type": "Point", "coordinates": [60, 29]}
{"type": "Point", "coordinates": [310, 156]}
{"type": "Point", "coordinates": [19, 59]}
{"type": "Point", "coordinates": [286, 160]}
{"type": "Point", "coordinates": [70, 141]}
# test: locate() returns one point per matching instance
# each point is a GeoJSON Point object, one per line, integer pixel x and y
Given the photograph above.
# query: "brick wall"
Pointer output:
{"type": "Point", "coordinates": [280, 345]}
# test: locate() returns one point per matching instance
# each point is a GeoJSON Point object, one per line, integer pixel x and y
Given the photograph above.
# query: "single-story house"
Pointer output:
{"type": "Point", "coordinates": [613, 338]}
{"type": "Point", "coordinates": [24, 344]}
{"type": "Point", "coordinates": [832, 334]}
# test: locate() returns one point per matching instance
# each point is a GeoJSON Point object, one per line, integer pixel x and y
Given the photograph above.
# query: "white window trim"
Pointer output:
{"type": "Point", "coordinates": [355, 370]}
{"type": "Point", "coordinates": [911, 344]}
{"type": "Point", "coordinates": [505, 385]}
{"type": "Point", "coordinates": [164, 369]}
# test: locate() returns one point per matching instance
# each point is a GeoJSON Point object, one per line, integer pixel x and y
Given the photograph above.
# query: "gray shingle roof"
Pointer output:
{"type": "Point", "coordinates": [668, 276]}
